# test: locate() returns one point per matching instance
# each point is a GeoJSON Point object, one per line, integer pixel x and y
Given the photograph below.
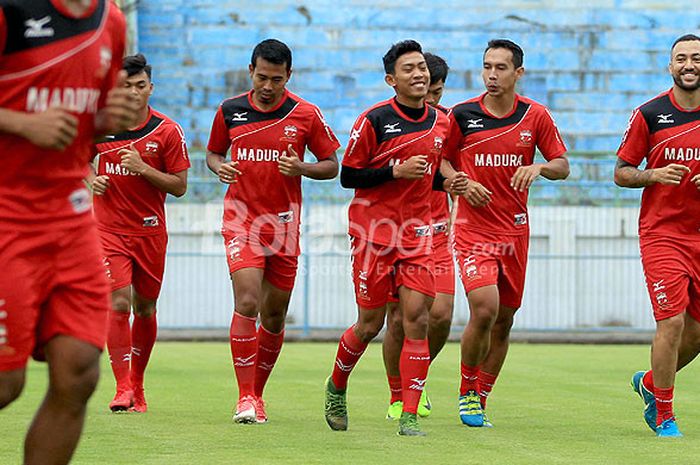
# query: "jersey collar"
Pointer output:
{"type": "Point", "coordinates": [58, 4]}
{"type": "Point", "coordinates": [508, 115]}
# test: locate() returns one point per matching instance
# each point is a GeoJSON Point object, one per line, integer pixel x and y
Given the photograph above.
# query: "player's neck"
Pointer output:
{"type": "Point", "coordinates": [77, 7]}
{"type": "Point", "coordinates": [501, 105]}
{"type": "Point", "coordinates": [142, 118]}
{"type": "Point", "coordinates": [687, 99]}
{"type": "Point", "coordinates": [267, 106]}
{"type": "Point", "coordinates": [410, 102]}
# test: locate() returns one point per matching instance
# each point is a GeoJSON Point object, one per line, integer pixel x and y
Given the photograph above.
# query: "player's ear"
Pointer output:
{"type": "Point", "coordinates": [251, 70]}
{"type": "Point", "coordinates": [390, 80]}
{"type": "Point", "coordinates": [289, 73]}
{"type": "Point", "coordinates": [519, 72]}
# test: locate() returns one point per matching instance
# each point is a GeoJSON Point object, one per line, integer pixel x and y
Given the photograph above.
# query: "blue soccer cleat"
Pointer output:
{"type": "Point", "coordinates": [470, 411]}
{"type": "Point", "coordinates": [668, 429]}
{"type": "Point", "coordinates": [647, 397]}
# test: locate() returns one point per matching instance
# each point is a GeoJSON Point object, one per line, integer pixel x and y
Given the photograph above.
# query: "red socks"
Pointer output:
{"type": "Point", "coordinates": [119, 346]}
{"type": "Point", "coordinates": [350, 349]}
{"type": "Point", "coordinates": [143, 337]}
{"type": "Point", "coordinates": [664, 404]}
{"type": "Point", "coordinates": [413, 364]}
{"type": "Point", "coordinates": [269, 348]}
{"type": "Point", "coordinates": [470, 379]}
{"type": "Point", "coordinates": [395, 388]}
{"type": "Point", "coordinates": [244, 346]}
{"type": "Point", "coordinates": [486, 382]}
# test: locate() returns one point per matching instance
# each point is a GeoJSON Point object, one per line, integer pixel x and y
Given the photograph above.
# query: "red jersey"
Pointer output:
{"type": "Point", "coordinates": [396, 213]}
{"type": "Point", "coordinates": [491, 149]}
{"type": "Point", "coordinates": [439, 204]}
{"type": "Point", "coordinates": [49, 58]}
{"type": "Point", "coordinates": [263, 199]}
{"type": "Point", "coordinates": [131, 205]}
{"type": "Point", "coordinates": [664, 133]}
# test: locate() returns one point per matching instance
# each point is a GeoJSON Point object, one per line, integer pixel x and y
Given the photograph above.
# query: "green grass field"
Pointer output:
{"type": "Point", "coordinates": [553, 404]}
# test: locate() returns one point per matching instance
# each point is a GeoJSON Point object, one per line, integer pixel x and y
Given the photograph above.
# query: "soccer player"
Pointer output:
{"type": "Point", "coordinates": [497, 133]}
{"type": "Point", "coordinates": [440, 313]}
{"type": "Point", "coordinates": [59, 87]}
{"type": "Point", "coordinates": [136, 169]}
{"type": "Point", "coordinates": [268, 130]}
{"type": "Point", "coordinates": [664, 131]}
{"type": "Point", "coordinates": [394, 148]}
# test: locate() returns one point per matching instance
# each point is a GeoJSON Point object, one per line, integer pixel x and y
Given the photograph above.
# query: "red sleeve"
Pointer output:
{"type": "Point", "coordinates": [454, 142]}
{"type": "Point", "coordinates": [219, 140]}
{"type": "Point", "coordinates": [635, 143]}
{"type": "Point", "coordinates": [117, 30]}
{"type": "Point", "coordinates": [549, 140]}
{"type": "Point", "coordinates": [322, 142]}
{"type": "Point", "coordinates": [361, 145]}
{"type": "Point", "coordinates": [175, 156]}
{"type": "Point", "coordinates": [3, 31]}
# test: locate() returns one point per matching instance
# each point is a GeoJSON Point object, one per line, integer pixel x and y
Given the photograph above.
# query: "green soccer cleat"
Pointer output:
{"type": "Point", "coordinates": [424, 405]}
{"type": "Point", "coordinates": [336, 407]}
{"type": "Point", "coordinates": [487, 422]}
{"type": "Point", "coordinates": [395, 409]}
{"type": "Point", "coordinates": [470, 411]}
{"type": "Point", "coordinates": [408, 425]}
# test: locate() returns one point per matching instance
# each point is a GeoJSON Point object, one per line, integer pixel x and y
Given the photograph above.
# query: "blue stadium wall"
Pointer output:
{"type": "Point", "coordinates": [590, 64]}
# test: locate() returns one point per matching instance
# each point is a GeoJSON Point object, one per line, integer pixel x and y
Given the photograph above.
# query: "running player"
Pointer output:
{"type": "Point", "coordinates": [664, 131]}
{"type": "Point", "coordinates": [440, 317]}
{"type": "Point", "coordinates": [59, 87]}
{"type": "Point", "coordinates": [394, 148]}
{"type": "Point", "coordinates": [268, 130]}
{"type": "Point", "coordinates": [497, 134]}
{"type": "Point", "coordinates": [136, 169]}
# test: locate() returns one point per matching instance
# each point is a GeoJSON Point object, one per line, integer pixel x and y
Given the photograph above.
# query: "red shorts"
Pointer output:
{"type": "Point", "coordinates": [443, 265]}
{"type": "Point", "coordinates": [672, 272]}
{"type": "Point", "coordinates": [53, 283]}
{"type": "Point", "coordinates": [135, 260]}
{"type": "Point", "coordinates": [378, 271]}
{"type": "Point", "coordinates": [485, 259]}
{"type": "Point", "coordinates": [275, 254]}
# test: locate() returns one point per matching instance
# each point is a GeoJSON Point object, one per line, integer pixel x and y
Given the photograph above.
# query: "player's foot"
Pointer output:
{"type": "Point", "coordinates": [408, 425]}
{"type": "Point", "coordinates": [668, 429]}
{"type": "Point", "coordinates": [395, 409]}
{"type": "Point", "coordinates": [470, 411]}
{"type": "Point", "coordinates": [260, 413]}
{"type": "Point", "coordinates": [487, 422]}
{"type": "Point", "coordinates": [245, 410]}
{"type": "Point", "coordinates": [336, 407]}
{"type": "Point", "coordinates": [647, 397]}
{"type": "Point", "coordinates": [424, 405]}
{"type": "Point", "coordinates": [140, 405]}
{"type": "Point", "coordinates": [123, 400]}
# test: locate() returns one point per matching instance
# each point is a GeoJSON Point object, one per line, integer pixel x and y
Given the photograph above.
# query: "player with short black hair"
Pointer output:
{"type": "Point", "coordinates": [135, 171]}
{"type": "Point", "coordinates": [496, 135]}
{"type": "Point", "coordinates": [60, 87]}
{"type": "Point", "coordinates": [268, 131]}
{"type": "Point", "coordinates": [394, 149]}
{"type": "Point", "coordinates": [664, 132]}
{"type": "Point", "coordinates": [440, 313]}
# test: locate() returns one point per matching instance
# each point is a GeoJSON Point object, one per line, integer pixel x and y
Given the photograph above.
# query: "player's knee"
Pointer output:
{"type": "Point", "coordinates": [483, 316]}
{"type": "Point", "coordinates": [10, 389]}
{"type": "Point", "coordinates": [121, 304]}
{"type": "Point", "coordinates": [273, 321]}
{"type": "Point", "coordinates": [368, 330]}
{"type": "Point", "coordinates": [247, 303]}
{"type": "Point", "coordinates": [145, 309]}
{"type": "Point", "coordinates": [671, 328]}
{"type": "Point", "coordinates": [440, 323]}
{"type": "Point", "coordinates": [75, 385]}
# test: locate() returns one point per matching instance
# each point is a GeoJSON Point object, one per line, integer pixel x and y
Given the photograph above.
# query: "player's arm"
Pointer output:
{"type": "Point", "coordinates": [171, 183]}
{"type": "Point", "coordinates": [363, 178]}
{"type": "Point", "coordinates": [629, 175]}
{"type": "Point", "coordinates": [225, 171]}
{"type": "Point", "coordinates": [291, 165]}
{"type": "Point", "coordinates": [450, 180]}
{"type": "Point", "coordinates": [58, 127]}
{"type": "Point", "coordinates": [120, 110]}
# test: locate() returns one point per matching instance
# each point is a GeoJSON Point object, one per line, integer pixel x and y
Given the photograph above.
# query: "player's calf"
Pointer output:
{"type": "Point", "coordinates": [11, 385]}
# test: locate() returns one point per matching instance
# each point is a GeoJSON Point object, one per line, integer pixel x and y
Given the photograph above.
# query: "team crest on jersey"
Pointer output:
{"type": "Point", "coordinates": [437, 144]}
{"type": "Point", "coordinates": [525, 138]}
{"type": "Point", "coordinates": [152, 146]}
{"type": "Point", "coordinates": [290, 133]}
{"type": "Point", "coordinates": [105, 61]}
{"type": "Point", "coordinates": [150, 222]}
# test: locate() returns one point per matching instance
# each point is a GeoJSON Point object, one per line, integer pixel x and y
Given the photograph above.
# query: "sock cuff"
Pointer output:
{"type": "Point", "coordinates": [270, 334]}
{"type": "Point", "coordinates": [416, 345]}
{"type": "Point", "coordinates": [352, 341]}
{"type": "Point", "coordinates": [241, 324]}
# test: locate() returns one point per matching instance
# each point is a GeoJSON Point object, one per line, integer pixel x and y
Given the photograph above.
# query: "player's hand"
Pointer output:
{"type": "Point", "coordinates": [413, 168]}
{"type": "Point", "coordinates": [525, 176]}
{"type": "Point", "coordinates": [670, 175]}
{"type": "Point", "coordinates": [228, 172]}
{"type": "Point", "coordinates": [121, 108]}
{"type": "Point", "coordinates": [696, 180]}
{"type": "Point", "coordinates": [131, 160]}
{"type": "Point", "coordinates": [290, 165]}
{"type": "Point", "coordinates": [54, 128]}
{"type": "Point", "coordinates": [477, 195]}
{"type": "Point", "coordinates": [457, 184]}
{"type": "Point", "coordinates": [100, 184]}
